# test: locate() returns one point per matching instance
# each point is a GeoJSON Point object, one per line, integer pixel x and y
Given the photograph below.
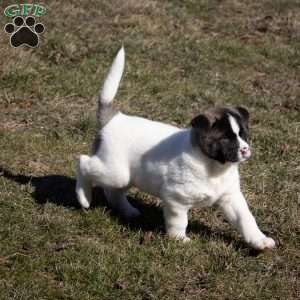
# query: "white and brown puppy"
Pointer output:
{"type": "Point", "coordinates": [185, 168]}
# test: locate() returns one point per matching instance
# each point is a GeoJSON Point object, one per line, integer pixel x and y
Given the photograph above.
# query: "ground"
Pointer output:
{"type": "Point", "coordinates": [182, 57]}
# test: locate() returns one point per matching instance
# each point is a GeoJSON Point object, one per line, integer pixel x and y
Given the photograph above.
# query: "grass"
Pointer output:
{"type": "Point", "coordinates": [182, 56]}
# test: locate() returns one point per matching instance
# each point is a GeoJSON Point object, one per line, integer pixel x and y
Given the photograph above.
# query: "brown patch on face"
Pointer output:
{"type": "Point", "coordinates": [212, 132]}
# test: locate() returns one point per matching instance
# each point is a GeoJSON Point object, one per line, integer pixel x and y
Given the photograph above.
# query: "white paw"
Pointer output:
{"type": "Point", "coordinates": [83, 186]}
{"type": "Point", "coordinates": [263, 243]}
{"type": "Point", "coordinates": [179, 237]}
{"type": "Point", "coordinates": [185, 239]}
{"type": "Point", "coordinates": [83, 201]}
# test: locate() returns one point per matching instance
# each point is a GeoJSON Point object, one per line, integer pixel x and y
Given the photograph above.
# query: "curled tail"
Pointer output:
{"type": "Point", "coordinates": [109, 90]}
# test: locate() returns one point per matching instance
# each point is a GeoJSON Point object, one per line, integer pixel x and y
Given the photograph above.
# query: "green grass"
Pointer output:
{"type": "Point", "coordinates": [182, 57]}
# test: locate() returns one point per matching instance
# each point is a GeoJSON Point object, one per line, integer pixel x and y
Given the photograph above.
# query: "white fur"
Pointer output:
{"type": "Point", "coordinates": [244, 149]}
{"type": "Point", "coordinates": [160, 159]}
{"type": "Point", "coordinates": [112, 81]}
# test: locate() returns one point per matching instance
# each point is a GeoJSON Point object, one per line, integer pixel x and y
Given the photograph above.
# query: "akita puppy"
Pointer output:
{"type": "Point", "coordinates": [184, 167]}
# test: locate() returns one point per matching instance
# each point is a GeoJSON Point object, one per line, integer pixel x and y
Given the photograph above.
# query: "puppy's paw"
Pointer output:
{"type": "Point", "coordinates": [185, 239]}
{"type": "Point", "coordinates": [263, 243]}
{"type": "Point", "coordinates": [179, 237]}
{"type": "Point", "coordinates": [83, 186]}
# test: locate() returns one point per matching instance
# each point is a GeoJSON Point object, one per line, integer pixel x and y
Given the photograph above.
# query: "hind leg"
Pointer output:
{"type": "Point", "coordinates": [91, 171]}
{"type": "Point", "coordinates": [118, 201]}
{"type": "Point", "coordinates": [83, 183]}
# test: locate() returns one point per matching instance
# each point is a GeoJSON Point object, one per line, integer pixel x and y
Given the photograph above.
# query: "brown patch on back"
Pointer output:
{"type": "Point", "coordinates": [105, 113]}
{"type": "Point", "coordinates": [96, 143]}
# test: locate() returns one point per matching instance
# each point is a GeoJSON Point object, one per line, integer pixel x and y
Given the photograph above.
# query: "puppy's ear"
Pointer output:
{"type": "Point", "coordinates": [200, 122]}
{"type": "Point", "coordinates": [243, 112]}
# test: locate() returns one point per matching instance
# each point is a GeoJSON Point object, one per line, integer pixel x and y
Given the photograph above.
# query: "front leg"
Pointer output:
{"type": "Point", "coordinates": [176, 220]}
{"type": "Point", "coordinates": [238, 214]}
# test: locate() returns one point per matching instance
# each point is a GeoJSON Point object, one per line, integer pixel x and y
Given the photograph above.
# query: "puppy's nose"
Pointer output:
{"type": "Point", "coordinates": [244, 150]}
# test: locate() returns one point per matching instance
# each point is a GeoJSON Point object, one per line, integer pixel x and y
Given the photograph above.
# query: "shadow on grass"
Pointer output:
{"type": "Point", "coordinates": [56, 189]}
{"type": "Point", "coordinates": [60, 190]}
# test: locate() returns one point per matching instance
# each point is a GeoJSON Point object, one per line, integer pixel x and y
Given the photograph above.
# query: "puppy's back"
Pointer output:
{"type": "Point", "coordinates": [133, 136]}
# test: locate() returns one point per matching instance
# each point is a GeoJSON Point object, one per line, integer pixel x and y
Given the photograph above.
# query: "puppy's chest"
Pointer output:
{"type": "Point", "coordinates": [200, 189]}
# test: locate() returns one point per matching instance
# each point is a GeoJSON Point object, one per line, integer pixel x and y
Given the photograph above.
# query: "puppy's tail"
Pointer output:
{"type": "Point", "coordinates": [109, 90]}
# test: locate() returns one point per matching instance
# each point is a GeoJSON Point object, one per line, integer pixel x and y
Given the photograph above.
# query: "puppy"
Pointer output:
{"type": "Point", "coordinates": [185, 168]}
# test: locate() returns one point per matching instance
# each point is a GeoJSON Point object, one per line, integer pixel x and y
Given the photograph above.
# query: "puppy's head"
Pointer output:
{"type": "Point", "coordinates": [221, 134]}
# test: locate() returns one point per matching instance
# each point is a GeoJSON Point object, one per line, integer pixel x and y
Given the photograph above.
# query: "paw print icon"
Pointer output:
{"type": "Point", "coordinates": [24, 32]}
